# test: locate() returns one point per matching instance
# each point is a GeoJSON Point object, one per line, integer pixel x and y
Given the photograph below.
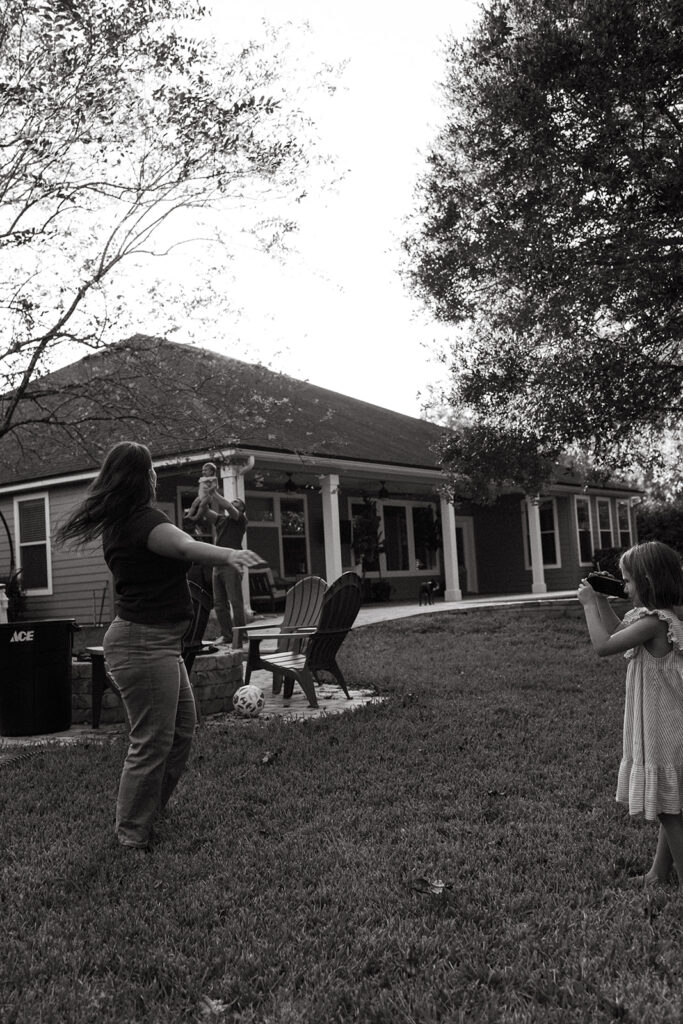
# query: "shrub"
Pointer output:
{"type": "Point", "coordinates": [607, 560]}
{"type": "Point", "coordinates": [661, 520]}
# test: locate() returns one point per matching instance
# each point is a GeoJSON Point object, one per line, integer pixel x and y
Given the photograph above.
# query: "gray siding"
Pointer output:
{"type": "Point", "coordinates": [6, 506]}
{"type": "Point", "coordinates": [78, 576]}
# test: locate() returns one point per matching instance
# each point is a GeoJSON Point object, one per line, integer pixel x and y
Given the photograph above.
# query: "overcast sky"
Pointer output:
{"type": "Point", "coordinates": [338, 315]}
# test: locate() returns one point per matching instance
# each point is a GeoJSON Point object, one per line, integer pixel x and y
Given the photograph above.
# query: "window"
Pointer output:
{"type": "Point", "coordinates": [278, 531]}
{"type": "Point", "coordinates": [407, 530]}
{"type": "Point", "coordinates": [584, 532]}
{"type": "Point", "coordinates": [426, 539]}
{"type": "Point", "coordinates": [604, 522]}
{"type": "Point", "coordinates": [32, 523]}
{"type": "Point", "coordinates": [293, 534]}
{"type": "Point", "coordinates": [550, 543]}
{"type": "Point", "coordinates": [624, 524]}
{"type": "Point", "coordinates": [261, 509]}
{"type": "Point", "coordinates": [396, 537]}
{"type": "Point", "coordinates": [184, 498]}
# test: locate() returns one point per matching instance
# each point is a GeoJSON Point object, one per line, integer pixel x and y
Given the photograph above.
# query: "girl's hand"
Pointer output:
{"type": "Point", "coordinates": [586, 594]}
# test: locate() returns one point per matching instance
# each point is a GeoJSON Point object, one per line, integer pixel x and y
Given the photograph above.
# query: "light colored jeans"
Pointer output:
{"type": "Point", "coordinates": [151, 678]}
{"type": "Point", "coordinates": [227, 592]}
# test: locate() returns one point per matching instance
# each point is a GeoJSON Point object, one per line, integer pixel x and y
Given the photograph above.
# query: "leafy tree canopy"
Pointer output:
{"type": "Point", "coordinates": [480, 461]}
{"type": "Point", "coordinates": [120, 122]}
{"type": "Point", "coordinates": [550, 224]}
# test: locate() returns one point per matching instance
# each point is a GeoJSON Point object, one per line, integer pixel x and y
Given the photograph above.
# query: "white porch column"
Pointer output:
{"type": "Point", "coordinates": [450, 552]}
{"type": "Point", "coordinates": [329, 488]}
{"type": "Point", "coordinates": [538, 585]}
{"type": "Point", "coordinates": [232, 474]}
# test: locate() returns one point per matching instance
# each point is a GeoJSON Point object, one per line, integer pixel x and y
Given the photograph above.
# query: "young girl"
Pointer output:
{"type": "Point", "coordinates": [650, 636]}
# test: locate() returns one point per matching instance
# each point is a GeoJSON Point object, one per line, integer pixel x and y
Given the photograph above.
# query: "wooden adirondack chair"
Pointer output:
{"type": "Point", "coordinates": [340, 607]}
{"type": "Point", "coordinates": [302, 611]}
{"type": "Point", "coordinates": [263, 589]}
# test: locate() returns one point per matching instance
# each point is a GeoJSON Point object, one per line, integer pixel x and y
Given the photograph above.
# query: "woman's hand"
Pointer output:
{"type": "Point", "coordinates": [242, 557]}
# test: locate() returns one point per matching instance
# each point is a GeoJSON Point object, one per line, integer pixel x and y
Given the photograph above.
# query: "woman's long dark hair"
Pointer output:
{"type": "Point", "coordinates": [123, 483]}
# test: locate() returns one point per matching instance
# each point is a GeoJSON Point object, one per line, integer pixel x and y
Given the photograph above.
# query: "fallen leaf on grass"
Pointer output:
{"type": "Point", "coordinates": [434, 886]}
{"type": "Point", "coordinates": [212, 1007]}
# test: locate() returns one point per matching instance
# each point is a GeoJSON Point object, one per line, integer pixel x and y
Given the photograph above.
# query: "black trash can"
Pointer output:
{"type": "Point", "coordinates": [35, 676]}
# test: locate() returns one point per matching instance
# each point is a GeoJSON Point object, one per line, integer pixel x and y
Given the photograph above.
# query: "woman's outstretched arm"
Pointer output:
{"type": "Point", "coordinates": [166, 539]}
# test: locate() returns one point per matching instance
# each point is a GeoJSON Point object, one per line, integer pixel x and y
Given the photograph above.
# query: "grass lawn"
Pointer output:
{"type": "Point", "coordinates": [453, 854]}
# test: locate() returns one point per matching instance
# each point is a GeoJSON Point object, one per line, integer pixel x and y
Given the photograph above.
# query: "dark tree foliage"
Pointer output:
{"type": "Point", "coordinates": [480, 461]}
{"type": "Point", "coordinates": [550, 225]}
{"type": "Point", "coordinates": [662, 520]}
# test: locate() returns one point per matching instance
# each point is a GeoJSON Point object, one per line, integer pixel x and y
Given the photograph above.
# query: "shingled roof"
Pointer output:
{"type": "Point", "coordinates": [181, 399]}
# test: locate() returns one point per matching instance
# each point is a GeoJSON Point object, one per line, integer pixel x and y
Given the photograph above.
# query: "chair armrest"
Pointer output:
{"type": "Point", "coordinates": [333, 632]}
{"type": "Point", "coordinates": [300, 632]}
{"type": "Point", "coordinates": [252, 629]}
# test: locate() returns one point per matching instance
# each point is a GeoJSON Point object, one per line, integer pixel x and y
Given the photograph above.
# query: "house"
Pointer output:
{"type": "Point", "coordinates": [308, 462]}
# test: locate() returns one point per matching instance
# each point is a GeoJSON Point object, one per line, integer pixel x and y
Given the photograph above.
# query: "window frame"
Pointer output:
{"type": "Point", "coordinates": [627, 504]}
{"type": "Point", "coordinates": [185, 495]}
{"type": "Point", "coordinates": [604, 502]}
{"type": "Point", "coordinates": [557, 564]}
{"type": "Point", "coordinates": [276, 524]}
{"type": "Point", "coordinates": [583, 498]}
{"type": "Point", "coordinates": [35, 591]}
{"type": "Point", "coordinates": [408, 504]}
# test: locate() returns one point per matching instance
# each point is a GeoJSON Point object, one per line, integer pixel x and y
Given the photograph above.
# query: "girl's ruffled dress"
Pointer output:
{"type": "Point", "coordinates": [651, 772]}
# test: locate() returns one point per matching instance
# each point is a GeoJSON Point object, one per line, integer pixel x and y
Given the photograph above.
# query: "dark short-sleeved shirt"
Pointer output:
{"type": "Point", "coordinates": [229, 531]}
{"type": "Point", "coordinates": [150, 588]}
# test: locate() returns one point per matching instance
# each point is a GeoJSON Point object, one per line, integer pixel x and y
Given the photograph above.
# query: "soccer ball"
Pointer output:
{"type": "Point", "coordinates": [249, 701]}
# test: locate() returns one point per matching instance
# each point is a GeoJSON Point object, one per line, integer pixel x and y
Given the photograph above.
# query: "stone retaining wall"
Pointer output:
{"type": "Point", "coordinates": [214, 678]}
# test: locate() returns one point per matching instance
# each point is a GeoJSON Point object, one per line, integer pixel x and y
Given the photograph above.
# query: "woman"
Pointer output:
{"type": "Point", "coordinates": [148, 558]}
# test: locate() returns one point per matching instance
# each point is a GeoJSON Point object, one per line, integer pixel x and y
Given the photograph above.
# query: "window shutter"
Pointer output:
{"type": "Point", "coordinates": [33, 551]}
{"type": "Point", "coordinates": [32, 521]}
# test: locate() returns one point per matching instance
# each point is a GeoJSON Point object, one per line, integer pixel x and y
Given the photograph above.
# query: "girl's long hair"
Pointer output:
{"type": "Point", "coordinates": [657, 575]}
{"type": "Point", "coordinates": [123, 484]}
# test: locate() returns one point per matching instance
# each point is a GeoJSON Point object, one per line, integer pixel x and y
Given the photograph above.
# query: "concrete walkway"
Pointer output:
{"type": "Point", "coordinates": [402, 609]}
{"type": "Point", "coordinates": [331, 699]}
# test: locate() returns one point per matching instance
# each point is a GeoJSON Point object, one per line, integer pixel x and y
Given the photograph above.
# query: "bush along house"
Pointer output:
{"type": "Point", "coordinates": [330, 483]}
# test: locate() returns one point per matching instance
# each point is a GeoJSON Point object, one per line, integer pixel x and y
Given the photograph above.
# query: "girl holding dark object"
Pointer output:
{"type": "Point", "coordinates": [650, 636]}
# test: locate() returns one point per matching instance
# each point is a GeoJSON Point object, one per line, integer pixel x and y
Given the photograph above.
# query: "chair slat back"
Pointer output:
{"type": "Point", "coordinates": [302, 608]}
{"type": "Point", "coordinates": [260, 583]}
{"type": "Point", "coordinates": [340, 607]}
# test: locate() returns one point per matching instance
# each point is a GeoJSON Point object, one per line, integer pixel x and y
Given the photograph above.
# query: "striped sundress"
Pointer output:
{"type": "Point", "coordinates": [651, 771]}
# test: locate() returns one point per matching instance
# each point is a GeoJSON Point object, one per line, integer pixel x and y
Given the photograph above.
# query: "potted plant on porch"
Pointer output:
{"type": "Point", "coordinates": [368, 545]}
